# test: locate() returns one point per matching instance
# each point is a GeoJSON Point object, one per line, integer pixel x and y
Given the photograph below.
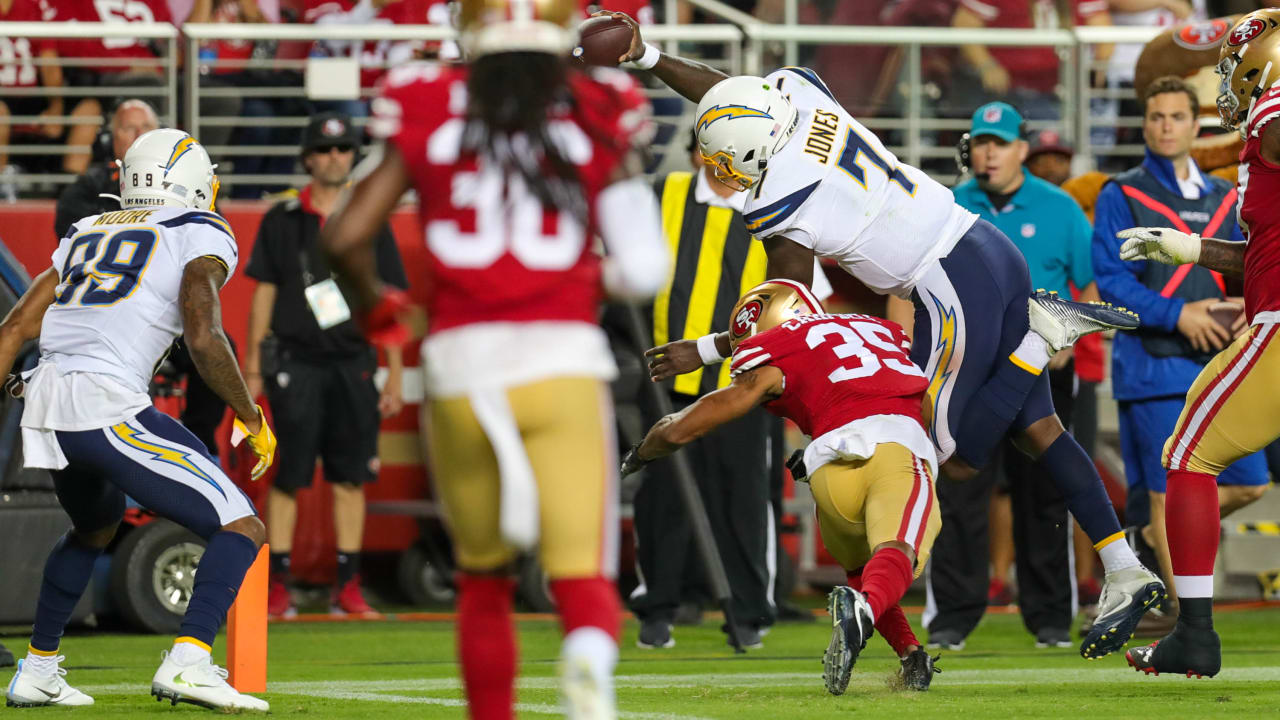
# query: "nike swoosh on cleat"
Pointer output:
{"type": "Point", "coordinates": [178, 680]}
{"type": "Point", "coordinates": [50, 695]}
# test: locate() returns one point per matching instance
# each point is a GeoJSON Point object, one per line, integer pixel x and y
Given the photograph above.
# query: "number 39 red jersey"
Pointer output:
{"type": "Point", "coordinates": [837, 369]}
{"type": "Point", "coordinates": [497, 254]}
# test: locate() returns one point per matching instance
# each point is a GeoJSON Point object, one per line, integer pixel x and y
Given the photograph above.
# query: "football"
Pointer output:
{"type": "Point", "coordinates": [601, 41]}
{"type": "Point", "coordinates": [1226, 313]}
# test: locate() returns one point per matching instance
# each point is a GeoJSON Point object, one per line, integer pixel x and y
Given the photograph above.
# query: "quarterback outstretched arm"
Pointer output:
{"type": "Point", "coordinates": [205, 339]}
{"type": "Point", "coordinates": [712, 410]}
{"type": "Point", "coordinates": [24, 320]}
{"type": "Point", "coordinates": [690, 79]}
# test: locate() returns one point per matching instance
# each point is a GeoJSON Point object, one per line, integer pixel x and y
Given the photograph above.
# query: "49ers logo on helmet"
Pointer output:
{"type": "Point", "coordinates": [746, 318]}
{"type": "Point", "coordinates": [1201, 35]}
{"type": "Point", "coordinates": [1246, 31]}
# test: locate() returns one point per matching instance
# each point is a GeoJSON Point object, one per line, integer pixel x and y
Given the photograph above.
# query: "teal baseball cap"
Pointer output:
{"type": "Point", "coordinates": [999, 119]}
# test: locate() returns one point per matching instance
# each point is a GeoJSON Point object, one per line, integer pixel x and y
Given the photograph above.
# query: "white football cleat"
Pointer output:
{"type": "Point", "coordinates": [28, 689]}
{"type": "Point", "coordinates": [582, 695]}
{"type": "Point", "coordinates": [201, 683]}
{"type": "Point", "coordinates": [1061, 322]}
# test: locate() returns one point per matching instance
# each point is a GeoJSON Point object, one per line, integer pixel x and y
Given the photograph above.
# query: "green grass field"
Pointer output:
{"type": "Point", "coordinates": [405, 670]}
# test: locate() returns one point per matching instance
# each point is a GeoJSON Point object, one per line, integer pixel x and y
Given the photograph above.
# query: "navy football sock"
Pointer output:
{"type": "Point", "coordinates": [1074, 475]}
{"type": "Point", "coordinates": [66, 575]}
{"type": "Point", "coordinates": [218, 578]}
{"type": "Point", "coordinates": [992, 409]}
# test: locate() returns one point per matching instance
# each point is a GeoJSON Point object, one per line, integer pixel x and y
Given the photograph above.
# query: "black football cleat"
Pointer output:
{"type": "Point", "coordinates": [1185, 651]}
{"type": "Point", "coordinates": [918, 668]}
{"type": "Point", "coordinates": [851, 626]}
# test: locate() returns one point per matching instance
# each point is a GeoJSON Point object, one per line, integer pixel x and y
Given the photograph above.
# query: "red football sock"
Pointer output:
{"type": "Point", "coordinates": [885, 579]}
{"type": "Point", "coordinates": [487, 645]}
{"type": "Point", "coordinates": [1191, 516]}
{"type": "Point", "coordinates": [892, 624]}
{"type": "Point", "coordinates": [588, 602]}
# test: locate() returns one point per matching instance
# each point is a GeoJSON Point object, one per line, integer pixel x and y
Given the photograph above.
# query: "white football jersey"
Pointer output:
{"type": "Point", "coordinates": [834, 188]}
{"type": "Point", "coordinates": [116, 311]}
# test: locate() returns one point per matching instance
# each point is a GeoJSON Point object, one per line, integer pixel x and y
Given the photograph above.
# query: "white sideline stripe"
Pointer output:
{"type": "Point", "coordinates": [373, 690]}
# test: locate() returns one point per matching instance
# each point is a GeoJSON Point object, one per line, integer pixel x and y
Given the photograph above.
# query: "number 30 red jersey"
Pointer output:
{"type": "Point", "coordinates": [838, 369]}
{"type": "Point", "coordinates": [497, 254]}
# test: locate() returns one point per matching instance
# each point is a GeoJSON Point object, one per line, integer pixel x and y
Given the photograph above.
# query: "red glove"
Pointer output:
{"type": "Point", "coordinates": [382, 325]}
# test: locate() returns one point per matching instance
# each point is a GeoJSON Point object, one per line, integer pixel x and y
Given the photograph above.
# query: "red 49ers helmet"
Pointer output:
{"type": "Point", "coordinates": [768, 305]}
{"type": "Point", "coordinates": [496, 26]}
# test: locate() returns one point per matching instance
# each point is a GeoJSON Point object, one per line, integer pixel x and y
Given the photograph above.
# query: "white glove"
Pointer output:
{"type": "Point", "coordinates": [1165, 245]}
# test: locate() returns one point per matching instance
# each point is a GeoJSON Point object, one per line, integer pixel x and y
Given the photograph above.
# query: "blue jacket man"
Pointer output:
{"type": "Point", "coordinates": [1153, 367]}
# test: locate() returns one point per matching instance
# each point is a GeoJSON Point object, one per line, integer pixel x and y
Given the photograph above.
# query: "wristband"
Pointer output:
{"type": "Point", "coordinates": [646, 61]}
{"type": "Point", "coordinates": [708, 351]}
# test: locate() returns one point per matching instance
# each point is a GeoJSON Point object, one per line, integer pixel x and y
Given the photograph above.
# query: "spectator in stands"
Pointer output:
{"type": "Point", "coordinates": [226, 64]}
{"type": "Point", "coordinates": [113, 61]}
{"type": "Point", "coordinates": [1053, 234]}
{"type": "Point", "coordinates": [1025, 76]}
{"type": "Point", "coordinates": [18, 73]}
{"type": "Point", "coordinates": [1154, 367]}
{"type": "Point", "coordinates": [83, 197]}
{"type": "Point", "coordinates": [316, 368]}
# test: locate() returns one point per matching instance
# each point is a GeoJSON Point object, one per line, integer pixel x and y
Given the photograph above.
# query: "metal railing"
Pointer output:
{"type": "Point", "coordinates": [746, 45]}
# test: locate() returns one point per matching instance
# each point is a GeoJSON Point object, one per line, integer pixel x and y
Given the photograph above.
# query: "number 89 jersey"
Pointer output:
{"type": "Point", "coordinates": [497, 254]}
{"type": "Point", "coordinates": [116, 309]}
{"type": "Point", "coordinates": [837, 369]}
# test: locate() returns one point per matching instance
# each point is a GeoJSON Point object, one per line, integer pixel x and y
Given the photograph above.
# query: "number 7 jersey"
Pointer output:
{"type": "Point", "coordinates": [834, 188]}
{"type": "Point", "coordinates": [116, 307]}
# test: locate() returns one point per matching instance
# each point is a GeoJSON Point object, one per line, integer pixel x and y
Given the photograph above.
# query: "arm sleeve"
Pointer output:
{"type": "Point", "coordinates": [390, 268]}
{"type": "Point", "coordinates": [1081, 240]}
{"type": "Point", "coordinates": [262, 265]}
{"type": "Point", "coordinates": [1117, 279]}
{"type": "Point", "coordinates": [205, 241]}
{"type": "Point", "coordinates": [630, 225]}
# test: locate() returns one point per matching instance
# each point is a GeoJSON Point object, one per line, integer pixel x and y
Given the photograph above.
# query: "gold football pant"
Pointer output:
{"type": "Point", "coordinates": [865, 503]}
{"type": "Point", "coordinates": [567, 428]}
{"type": "Point", "coordinates": [1231, 408]}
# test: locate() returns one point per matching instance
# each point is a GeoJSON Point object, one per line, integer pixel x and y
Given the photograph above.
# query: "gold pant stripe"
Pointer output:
{"type": "Point", "coordinates": [567, 429]}
{"type": "Point", "coordinates": [1229, 411]}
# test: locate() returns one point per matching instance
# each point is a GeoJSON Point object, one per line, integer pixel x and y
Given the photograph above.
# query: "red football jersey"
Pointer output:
{"type": "Point", "coordinates": [836, 369]}
{"type": "Point", "coordinates": [17, 53]}
{"type": "Point", "coordinates": [1258, 211]}
{"type": "Point", "coordinates": [111, 11]}
{"type": "Point", "coordinates": [497, 254]}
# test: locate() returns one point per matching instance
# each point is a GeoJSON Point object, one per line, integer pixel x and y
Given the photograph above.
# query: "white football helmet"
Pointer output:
{"type": "Point", "coordinates": [167, 167]}
{"type": "Point", "coordinates": [742, 122]}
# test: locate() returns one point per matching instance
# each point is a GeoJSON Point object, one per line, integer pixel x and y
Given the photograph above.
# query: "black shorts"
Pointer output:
{"type": "Point", "coordinates": [326, 410]}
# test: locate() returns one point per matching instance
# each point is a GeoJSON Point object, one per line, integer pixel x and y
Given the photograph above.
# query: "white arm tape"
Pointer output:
{"type": "Point", "coordinates": [708, 351]}
{"type": "Point", "coordinates": [638, 261]}
{"type": "Point", "coordinates": [646, 61]}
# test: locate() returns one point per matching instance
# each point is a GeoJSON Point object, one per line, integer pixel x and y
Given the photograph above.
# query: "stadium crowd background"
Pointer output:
{"type": "Point", "coordinates": [50, 136]}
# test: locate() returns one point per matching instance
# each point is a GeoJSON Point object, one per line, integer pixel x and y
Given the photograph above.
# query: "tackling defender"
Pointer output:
{"type": "Point", "coordinates": [518, 161]}
{"type": "Point", "coordinates": [822, 184]}
{"type": "Point", "coordinates": [847, 382]}
{"type": "Point", "coordinates": [123, 285]}
{"type": "Point", "coordinates": [1230, 409]}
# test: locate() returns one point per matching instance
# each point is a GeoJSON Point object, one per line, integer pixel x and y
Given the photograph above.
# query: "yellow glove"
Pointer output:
{"type": "Point", "coordinates": [263, 444]}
